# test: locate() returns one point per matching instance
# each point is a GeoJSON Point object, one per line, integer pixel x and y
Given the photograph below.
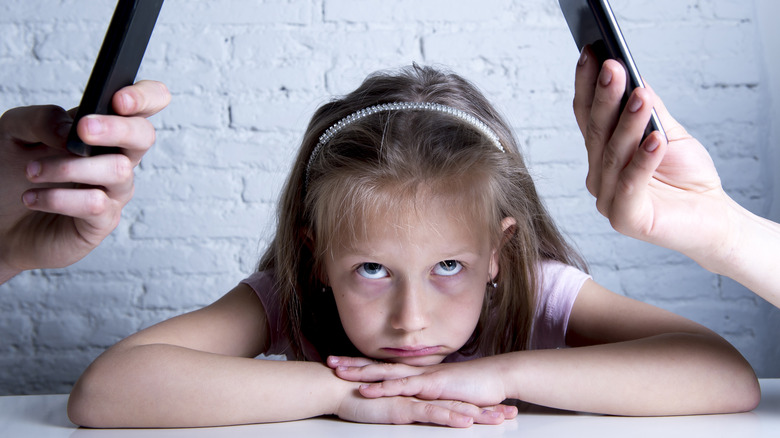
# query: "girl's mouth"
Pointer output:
{"type": "Point", "coordinates": [413, 351]}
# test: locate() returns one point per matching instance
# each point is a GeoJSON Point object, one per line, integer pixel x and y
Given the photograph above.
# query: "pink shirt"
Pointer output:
{"type": "Point", "coordinates": [559, 287]}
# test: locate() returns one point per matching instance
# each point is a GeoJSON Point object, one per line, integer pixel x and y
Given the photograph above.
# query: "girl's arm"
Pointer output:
{"type": "Point", "coordinates": [197, 370]}
{"type": "Point", "coordinates": [629, 358]}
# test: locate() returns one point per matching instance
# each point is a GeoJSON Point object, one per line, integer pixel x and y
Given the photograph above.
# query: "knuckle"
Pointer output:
{"type": "Point", "coordinates": [591, 183]}
{"type": "Point", "coordinates": [595, 132]}
{"type": "Point", "coordinates": [610, 158]}
{"type": "Point", "coordinates": [96, 202]}
{"type": "Point", "coordinates": [123, 168]}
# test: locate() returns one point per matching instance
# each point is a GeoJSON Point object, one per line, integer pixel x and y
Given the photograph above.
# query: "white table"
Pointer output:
{"type": "Point", "coordinates": [44, 416]}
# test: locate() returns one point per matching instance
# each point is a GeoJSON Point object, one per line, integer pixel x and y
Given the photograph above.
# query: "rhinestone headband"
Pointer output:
{"type": "Point", "coordinates": [477, 124]}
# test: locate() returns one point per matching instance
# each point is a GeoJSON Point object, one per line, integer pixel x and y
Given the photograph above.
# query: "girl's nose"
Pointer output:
{"type": "Point", "coordinates": [409, 309]}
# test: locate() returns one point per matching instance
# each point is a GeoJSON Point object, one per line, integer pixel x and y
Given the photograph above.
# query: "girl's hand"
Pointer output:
{"type": "Point", "coordinates": [668, 194]}
{"type": "Point", "coordinates": [55, 207]}
{"type": "Point", "coordinates": [407, 410]}
{"type": "Point", "coordinates": [472, 382]}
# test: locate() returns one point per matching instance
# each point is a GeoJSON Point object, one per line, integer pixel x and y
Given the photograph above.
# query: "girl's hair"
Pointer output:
{"type": "Point", "coordinates": [394, 163]}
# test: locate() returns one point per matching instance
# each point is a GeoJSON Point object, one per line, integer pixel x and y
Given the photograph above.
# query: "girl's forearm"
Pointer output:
{"type": "Point", "coordinates": [168, 386]}
{"type": "Point", "coordinates": [676, 374]}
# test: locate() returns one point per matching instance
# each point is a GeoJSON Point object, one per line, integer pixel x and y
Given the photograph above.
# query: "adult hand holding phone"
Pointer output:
{"type": "Point", "coordinates": [56, 207]}
{"type": "Point", "coordinates": [667, 193]}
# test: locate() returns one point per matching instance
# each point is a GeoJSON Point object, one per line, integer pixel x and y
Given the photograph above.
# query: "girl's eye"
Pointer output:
{"type": "Point", "coordinates": [447, 268]}
{"type": "Point", "coordinates": [372, 271]}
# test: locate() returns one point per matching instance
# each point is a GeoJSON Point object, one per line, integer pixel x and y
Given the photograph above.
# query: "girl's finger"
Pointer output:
{"type": "Point", "coordinates": [113, 172]}
{"type": "Point", "coordinates": [604, 116]}
{"type": "Point", "coordinates": [435, 413]}
{"type": "Point", "coordinates": [335, 361]}
{"type": "Point", "coordinates": [406, 386]}
{"type": "Point", "coordinates": [621, 148]}
{"type": "Point", "coordinates": [478, 414]}
{"type": "Point", "coordinates": [376, 372]}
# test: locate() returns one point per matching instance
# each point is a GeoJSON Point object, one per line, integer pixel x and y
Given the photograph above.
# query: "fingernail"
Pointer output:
{"type": "Point", "coordinates": [605, 77]}
{"type": "Point", "coordinates": [94, 125]}
{"type": "Point", "coordinates": [29, 198]}
{"type": "Point", "coordinates": [128, 102]}
{"type": "Point", "coordinates": [33, 169]}
{"type": "Point", "coordinates": [492, 414]}
{"type": "Point", "coordinates": [652, 143]}
{"type": "Point", "coordinates": [333, 360]}
{"type": "Point", "coordinates": [583, 56]}
{"type": "Point", "coordinates": [634, 103]}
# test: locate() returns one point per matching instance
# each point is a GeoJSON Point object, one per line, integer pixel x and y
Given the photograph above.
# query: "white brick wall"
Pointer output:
{"type": "Point", "coordinates": [245, 77]}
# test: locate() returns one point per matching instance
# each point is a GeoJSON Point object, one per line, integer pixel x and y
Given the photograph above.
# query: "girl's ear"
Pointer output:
{"type": "Point", "coordinates": [509, 227]}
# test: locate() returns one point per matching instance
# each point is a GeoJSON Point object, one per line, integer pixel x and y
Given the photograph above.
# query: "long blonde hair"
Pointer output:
{"type": "Point", "coordinates": [381, 163]}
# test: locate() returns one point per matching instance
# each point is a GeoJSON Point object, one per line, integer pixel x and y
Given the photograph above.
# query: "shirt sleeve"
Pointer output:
{"type": "Point", "coordinates": [263, 285]}
{"type": "Point", "coordinates": [559, 285]}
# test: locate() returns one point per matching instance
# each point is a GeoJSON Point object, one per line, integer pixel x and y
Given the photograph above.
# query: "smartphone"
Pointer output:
{"type": "Point", "coordinates": [116, 65]}
{"type": "Point", "coordinates": [593, 23]}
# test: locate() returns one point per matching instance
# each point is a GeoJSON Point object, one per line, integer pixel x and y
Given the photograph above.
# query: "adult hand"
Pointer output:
{"type": "Point", "coordinates": [55, 207]}
{"type": "Point", "coordinates": [665, 193]}
{"type": "Point", "coordinates": [473, 382]}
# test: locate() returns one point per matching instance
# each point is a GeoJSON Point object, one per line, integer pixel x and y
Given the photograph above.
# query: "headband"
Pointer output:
{"type": "Point", "coordinates": [329, 133]}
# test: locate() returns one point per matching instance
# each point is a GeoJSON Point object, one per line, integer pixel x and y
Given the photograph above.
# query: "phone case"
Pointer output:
{"type": "Point", "coordinates": [593, 23]}
{"type": "Point", "coordinates": [116, 65]}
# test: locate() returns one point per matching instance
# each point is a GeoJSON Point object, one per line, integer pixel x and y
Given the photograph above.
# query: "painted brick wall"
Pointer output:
{"type": "Point", "coordinates": [247, 74]}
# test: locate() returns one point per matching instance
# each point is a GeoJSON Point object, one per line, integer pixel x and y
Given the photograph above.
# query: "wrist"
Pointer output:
{"type": "Point", "coordinates": [727, 253]}
{"type": "Point", "coordinates": [509, 369]}
{"type": "Point", "coordinates": [340, 393]}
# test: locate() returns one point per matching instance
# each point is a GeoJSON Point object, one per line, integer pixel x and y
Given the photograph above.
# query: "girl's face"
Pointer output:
{"type": "Point", "coordinates": [411, 291]}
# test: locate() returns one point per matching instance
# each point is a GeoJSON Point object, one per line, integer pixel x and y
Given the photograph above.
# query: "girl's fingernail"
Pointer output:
{"type": "Point", "coordinates": [605, 77]}
{"type": "Point", "coordinates": [94, 125]}
{"type": "Point", "coordinates": [652, 143]}
{"type": "Point", "coordinates": [634, 103]}
{"type": "Point", "coordinates": [583, 56]}
{"type": "Point", "coordinates": [29, 198]}
{"type": "Point", "coordinates": [33, 169]}
{"type": "Point", "coordinates": [492, 414]}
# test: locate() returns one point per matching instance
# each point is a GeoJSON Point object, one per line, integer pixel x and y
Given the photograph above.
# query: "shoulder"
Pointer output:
{"type": "Point", "coordinates": [558, 287]}
{"type": "Point", "coordinates": [556, 278]}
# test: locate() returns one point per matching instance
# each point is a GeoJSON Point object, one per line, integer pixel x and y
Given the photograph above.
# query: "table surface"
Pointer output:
{"type": "Point", "coordinates": [44, 416]}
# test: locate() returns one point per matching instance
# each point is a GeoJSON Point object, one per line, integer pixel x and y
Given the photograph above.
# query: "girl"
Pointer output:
{"type": "Point", "coordinates": [412, 251]}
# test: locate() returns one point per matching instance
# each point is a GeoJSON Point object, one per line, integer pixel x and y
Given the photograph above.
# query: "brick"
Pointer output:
{"type": "Point", "coordinates": [246, 76]}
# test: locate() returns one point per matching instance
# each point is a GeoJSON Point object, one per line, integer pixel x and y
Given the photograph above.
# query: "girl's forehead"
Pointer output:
{"type": "Point", "coordinates": [424, 220]}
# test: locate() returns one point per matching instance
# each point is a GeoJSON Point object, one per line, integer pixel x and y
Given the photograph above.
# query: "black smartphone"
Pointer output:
{"type": "Point", "coordinates": [116, 65]}
{"type": "Point", "coordinates": [593, 23]}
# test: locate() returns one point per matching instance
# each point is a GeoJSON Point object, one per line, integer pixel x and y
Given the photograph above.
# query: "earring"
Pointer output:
{"type": "Point", "coordinates": [492, 284]}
